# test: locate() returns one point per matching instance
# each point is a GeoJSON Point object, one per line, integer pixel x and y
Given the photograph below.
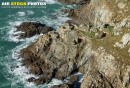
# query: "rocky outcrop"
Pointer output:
{"type": "Point", "coordinates": [57, 54]}
{"type": "Point", "coordinates": [104, 71]}
{"type": "Point", "coordinates": [29, 29]}
{"type": "Point", "coordinates": [95, 14]}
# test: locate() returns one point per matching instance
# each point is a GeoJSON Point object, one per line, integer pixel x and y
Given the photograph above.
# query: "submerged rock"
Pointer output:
{"type": "Point", "coordinates": [30, 29]}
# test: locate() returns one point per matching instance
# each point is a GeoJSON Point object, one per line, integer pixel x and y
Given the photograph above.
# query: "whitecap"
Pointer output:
{"type": "Point", "coordinates": [29, 12]}
{"type": "Point", "coordinates": [55, 82]}
{"type": "Point", "coordinates": [21, 13]}
{"type": "Point", "coordinates": [15, 23]}
{"type": "Point", "coordinates": [19, 72]}
{"type": "Point", "coordinates": [49, 1]}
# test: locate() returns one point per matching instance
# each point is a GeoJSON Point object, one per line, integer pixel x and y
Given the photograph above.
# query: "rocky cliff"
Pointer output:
{"type": "Point", "coordinates": [96, 42]}
{"type": "Point", "coordinates": [57, 54]}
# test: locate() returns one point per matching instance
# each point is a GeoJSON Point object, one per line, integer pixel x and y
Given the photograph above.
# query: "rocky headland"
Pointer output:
{"type": "Point", "coordinates": [96, 43]}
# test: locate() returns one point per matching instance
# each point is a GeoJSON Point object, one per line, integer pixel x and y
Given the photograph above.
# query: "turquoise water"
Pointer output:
{"type": "Point", "coordinates": [12, 74]}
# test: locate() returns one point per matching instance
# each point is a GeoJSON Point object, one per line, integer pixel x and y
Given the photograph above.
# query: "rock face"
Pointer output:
{"type": "Point", "coordinates": [57, 54]}
{"type": "Point", "coordinates": [30, 29]}
{"type": "Point", "coordinates": [94, 14]}
{"type": "Point", "coordinates": [103, 71]}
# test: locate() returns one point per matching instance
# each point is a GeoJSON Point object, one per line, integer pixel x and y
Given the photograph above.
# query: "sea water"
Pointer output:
{"type": "Point", "coordinates": [12, 73]}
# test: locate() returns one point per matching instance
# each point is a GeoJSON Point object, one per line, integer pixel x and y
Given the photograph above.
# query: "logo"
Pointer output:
{"type": "Point", "coordinates": [22, 4]}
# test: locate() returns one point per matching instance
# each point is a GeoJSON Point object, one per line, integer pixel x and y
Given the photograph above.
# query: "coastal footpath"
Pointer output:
{"type": "Point", "coordinates": [96, 43]}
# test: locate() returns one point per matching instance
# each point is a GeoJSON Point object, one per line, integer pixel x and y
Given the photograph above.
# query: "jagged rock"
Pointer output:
{"type": "Point", "coordinates": [57, 54]}
{"type": "Point", "coordinates": [30, 29]}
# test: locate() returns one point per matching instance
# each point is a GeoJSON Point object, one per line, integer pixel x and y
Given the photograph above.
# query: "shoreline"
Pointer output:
{"type": "Point", "coordinates": [79, 48]}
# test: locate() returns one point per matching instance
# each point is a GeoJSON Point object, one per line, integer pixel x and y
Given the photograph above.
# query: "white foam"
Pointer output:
{"type": "Point", "coordinates": [20, 73]}
{"type": "Point", "coordinates": [26, 13]}
{"type": "Point", "coordinates": [21, 13]}
{"type": "Point", "coordinates": [50, 1]}
{"type": "Point", "coordinates": [55, 82]}
{"type": "Point", "coordinates": [12, 29]}
{"type": "Point", "coordinates": [15, 23]}
{"type": "Point", "coordinates": [29, 12]}
{"type": "Point", "coordinates": [44, 19]}
{"type": "Point", "coordinates": [57, 21]}
{"type": "Point", "coordinates": [13, 32]}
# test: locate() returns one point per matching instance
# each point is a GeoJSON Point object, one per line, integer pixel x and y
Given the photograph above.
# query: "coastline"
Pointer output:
{"type": "Point", "coordinates": [81, 48]}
